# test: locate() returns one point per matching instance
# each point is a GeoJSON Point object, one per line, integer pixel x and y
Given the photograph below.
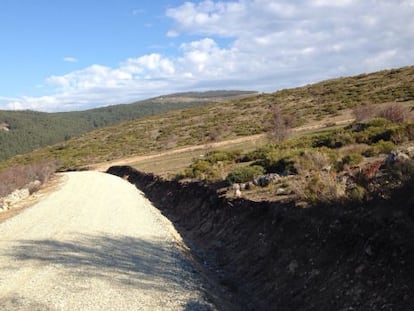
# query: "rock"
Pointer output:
{"type": "Point", "coordinates": [265, 180]}
{"type": "Point", "coordinates": [396, 156]}
{"type": "Point", "coordinates": [368, 250]}
{"type": "Point", "coordinates": [15, 197]}
{"type": "Point", "coordinates": [401, 156]}
{"type": "Point", "coordinates": [281, 191]}
{"type": "Point", "coordinates": [410, 151]}
{"type": "Point", "coordinates": [237, 193]}
{"type": "Point", "coordinates": [293, 266]}
{"type": "Point", "coordinates": [327, 168]}
{"type": "Point", "coordinates": [236, 187]}
{"type": "Point", "coordinates": [302, 204]}
{"type": "Point", "coordinates": [360, 269]}
{"type": "Point", "coordinates": [34, 185]}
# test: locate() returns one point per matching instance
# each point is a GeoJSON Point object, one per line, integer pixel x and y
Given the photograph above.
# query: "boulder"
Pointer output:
{"type": "Point", "coordinates": [14, 197]}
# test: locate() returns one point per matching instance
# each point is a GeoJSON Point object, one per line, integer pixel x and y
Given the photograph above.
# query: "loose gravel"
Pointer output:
{"type": "Point", "coordinates": [95, 244]}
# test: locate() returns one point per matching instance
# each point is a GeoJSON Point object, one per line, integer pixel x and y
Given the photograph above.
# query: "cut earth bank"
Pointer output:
{"type": "Point", "coordinates": [274, 256]}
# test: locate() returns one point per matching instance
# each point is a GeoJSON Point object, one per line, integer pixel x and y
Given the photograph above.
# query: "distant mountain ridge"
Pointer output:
{"type": "Point", "coordinates": [24, 131]}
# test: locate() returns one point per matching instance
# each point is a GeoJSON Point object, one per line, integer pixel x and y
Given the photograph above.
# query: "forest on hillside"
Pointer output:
{"type": "Point", "coordinates": [24, 131]}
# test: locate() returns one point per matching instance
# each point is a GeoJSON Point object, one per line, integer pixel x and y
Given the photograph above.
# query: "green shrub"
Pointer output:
{"type": "Point", "coordinates": [282, 166]}
{"type": "Point", "coordinates": [222, 156]}
{"type": "Point", "coordinates": [379, 122]}
{"type": "Point", "coordinates": [381, 129]}
{"type": "Point", "coordinates": [352, 159]}
{"type": "Point", "coordinates": [335, 139]}
{"type": "Point", "coordinates": [409, 130]}
{"type": "Point", "coordinates": [402, 133]}
{"type": "Point", "coordinates": [203, 170]}
{"type": "Point", "coordinates": [312, 160]}
{"type": "Point", "coordinates": [321, 188]}
{"type": "Point", "coordinates": [356, 193]}
{"type": "Point", "coordinates": [384, 147]}
{"type": "Point", "coordinates": [245, 174]}
{"type": "Point", "coordinates": [258, 154]}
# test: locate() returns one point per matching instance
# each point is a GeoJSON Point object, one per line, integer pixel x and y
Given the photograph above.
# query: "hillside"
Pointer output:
{"type": "Point", "coordinates": [317, 103]}
{"type": "Point", "coordinates": [228, 119]}
{"type": "Point", "coordinates": [23, 131]}
{"type": "Point", "coordinates": [307, 222]}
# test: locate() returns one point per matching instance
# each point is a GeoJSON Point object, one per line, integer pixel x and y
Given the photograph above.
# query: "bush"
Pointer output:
{"type": "Point", "coordinates": [245, 174]}
{"type": "Point", "coordinates": [321, 188]}
{"type": "Point", "coordinates": [313, 160]}
{"type": "Point", "coordinates": [402, 133]}
{"type": "Point", "coordinates": [352, 159]}
{"type": "Point", "coordinates": [332, 140]}
{"type": "Point", "coordinates": [373, 131]}
{"type": "Point", "coordinates": [258, 154]}
{"type": "Point", "coordinates": [395, 112]}
{"type": "Point", "coordinates": [383, 147]}
{"type": "Point", "coordinates": [18, 177]}
{"type": "Point", "coordinates": [221, 156]}
{"type": "Point", "coordinates": [280, 124]}
{"type": "Point", "coordinates": [362, 113]}
{"type": "Point", "coordinates": [203, 170]}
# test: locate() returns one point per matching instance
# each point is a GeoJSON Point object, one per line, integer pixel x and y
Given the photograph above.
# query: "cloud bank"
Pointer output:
{"type": "Point", "coordinates": [261, 45]}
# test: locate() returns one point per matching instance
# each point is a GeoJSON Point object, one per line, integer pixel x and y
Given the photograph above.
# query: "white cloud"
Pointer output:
{"type": "Point", "coordinates": [336, 3]}
{"type": "Point", "coordinates": [70, 59]}
{"type": "Point", "coordinates": [250, 44]}
{"type": "Point", "coordinates": [172, 33]}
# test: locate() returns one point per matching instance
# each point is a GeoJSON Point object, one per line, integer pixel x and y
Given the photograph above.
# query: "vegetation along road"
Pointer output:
{"type": "Point", "coordinates": [95, 244]}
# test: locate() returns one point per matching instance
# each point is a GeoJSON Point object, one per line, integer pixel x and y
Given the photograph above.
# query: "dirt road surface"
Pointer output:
{"type": "Point", "coordinates": [95, 244]}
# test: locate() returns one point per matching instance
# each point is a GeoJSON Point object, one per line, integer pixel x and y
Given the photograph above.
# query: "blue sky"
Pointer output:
{"type": "Point", "coordinates": [73, 55]}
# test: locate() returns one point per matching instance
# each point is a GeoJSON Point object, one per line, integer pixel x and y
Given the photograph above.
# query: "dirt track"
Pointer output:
{"type": "Point", "coordinates": [129, 160]}
{"type": "Point", "coordinates": [95, 244]}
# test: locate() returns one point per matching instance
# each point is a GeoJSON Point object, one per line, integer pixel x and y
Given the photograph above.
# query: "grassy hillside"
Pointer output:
{"type": "Point", "coordinates": [319, 102]}
{"type": "Point", "coordinates": [23, 131]}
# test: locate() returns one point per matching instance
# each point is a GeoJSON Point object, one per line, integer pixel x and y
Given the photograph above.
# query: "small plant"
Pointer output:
{"type": "Point", "coordinates": [245, 174]}
{"type": "Point", "coordinates": [312, 160]}
{"type": "Point", "coordinates": [381, 147]}
{"type": "Point", "coordinates": [221, 156]}
{"type": "Point", "coordinates": [320, 188]}
{"type": "Point", "coordinates": [203, 170]}
{"type": "Point", "coordinates": [351, 159]}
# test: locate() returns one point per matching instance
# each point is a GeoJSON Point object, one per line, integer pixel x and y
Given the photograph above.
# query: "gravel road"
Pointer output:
{"type": "Point", "coordinates": [95, 244]}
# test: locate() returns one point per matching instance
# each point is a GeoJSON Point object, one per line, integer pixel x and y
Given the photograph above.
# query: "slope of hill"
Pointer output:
{"type": "Point", "coordinates": [23, 131]}
{"type": "Point", "coordinates": [250, 115]}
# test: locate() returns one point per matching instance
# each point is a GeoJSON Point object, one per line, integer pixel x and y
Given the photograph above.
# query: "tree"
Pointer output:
{"type": "Point", "coordinates": [280, 124]}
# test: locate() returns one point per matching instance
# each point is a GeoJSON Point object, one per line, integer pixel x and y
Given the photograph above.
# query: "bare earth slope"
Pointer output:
{"type": "Point", "coordinates": [95, 244]}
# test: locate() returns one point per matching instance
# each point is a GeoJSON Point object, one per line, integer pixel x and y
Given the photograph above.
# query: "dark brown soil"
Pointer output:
{"type": "Point", "coordinates": [274, 256]}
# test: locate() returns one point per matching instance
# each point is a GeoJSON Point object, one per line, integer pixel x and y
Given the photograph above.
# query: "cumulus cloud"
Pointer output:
{"type": "Point", "coordinates": [257, 44]}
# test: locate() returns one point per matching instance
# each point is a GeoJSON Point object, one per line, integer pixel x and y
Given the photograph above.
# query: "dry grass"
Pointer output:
{"type": "Point", "coordinates": [170, 164]}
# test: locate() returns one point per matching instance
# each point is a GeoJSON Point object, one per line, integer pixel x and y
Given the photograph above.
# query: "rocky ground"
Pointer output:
{"type": "Point", "coordinates": [275, 256]}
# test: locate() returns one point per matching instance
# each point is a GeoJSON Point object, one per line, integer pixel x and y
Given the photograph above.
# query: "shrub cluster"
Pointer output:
{"type": "Point", "coordinates": [394, 112]}
{"type": "Point", "coordinates": [17, 177]}
{"type": "Point", "coordinates": [245, 174]}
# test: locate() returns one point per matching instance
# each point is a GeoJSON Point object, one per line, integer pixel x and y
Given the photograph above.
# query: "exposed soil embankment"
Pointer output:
{"type": "Point", "coordinates": [280, 257]}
